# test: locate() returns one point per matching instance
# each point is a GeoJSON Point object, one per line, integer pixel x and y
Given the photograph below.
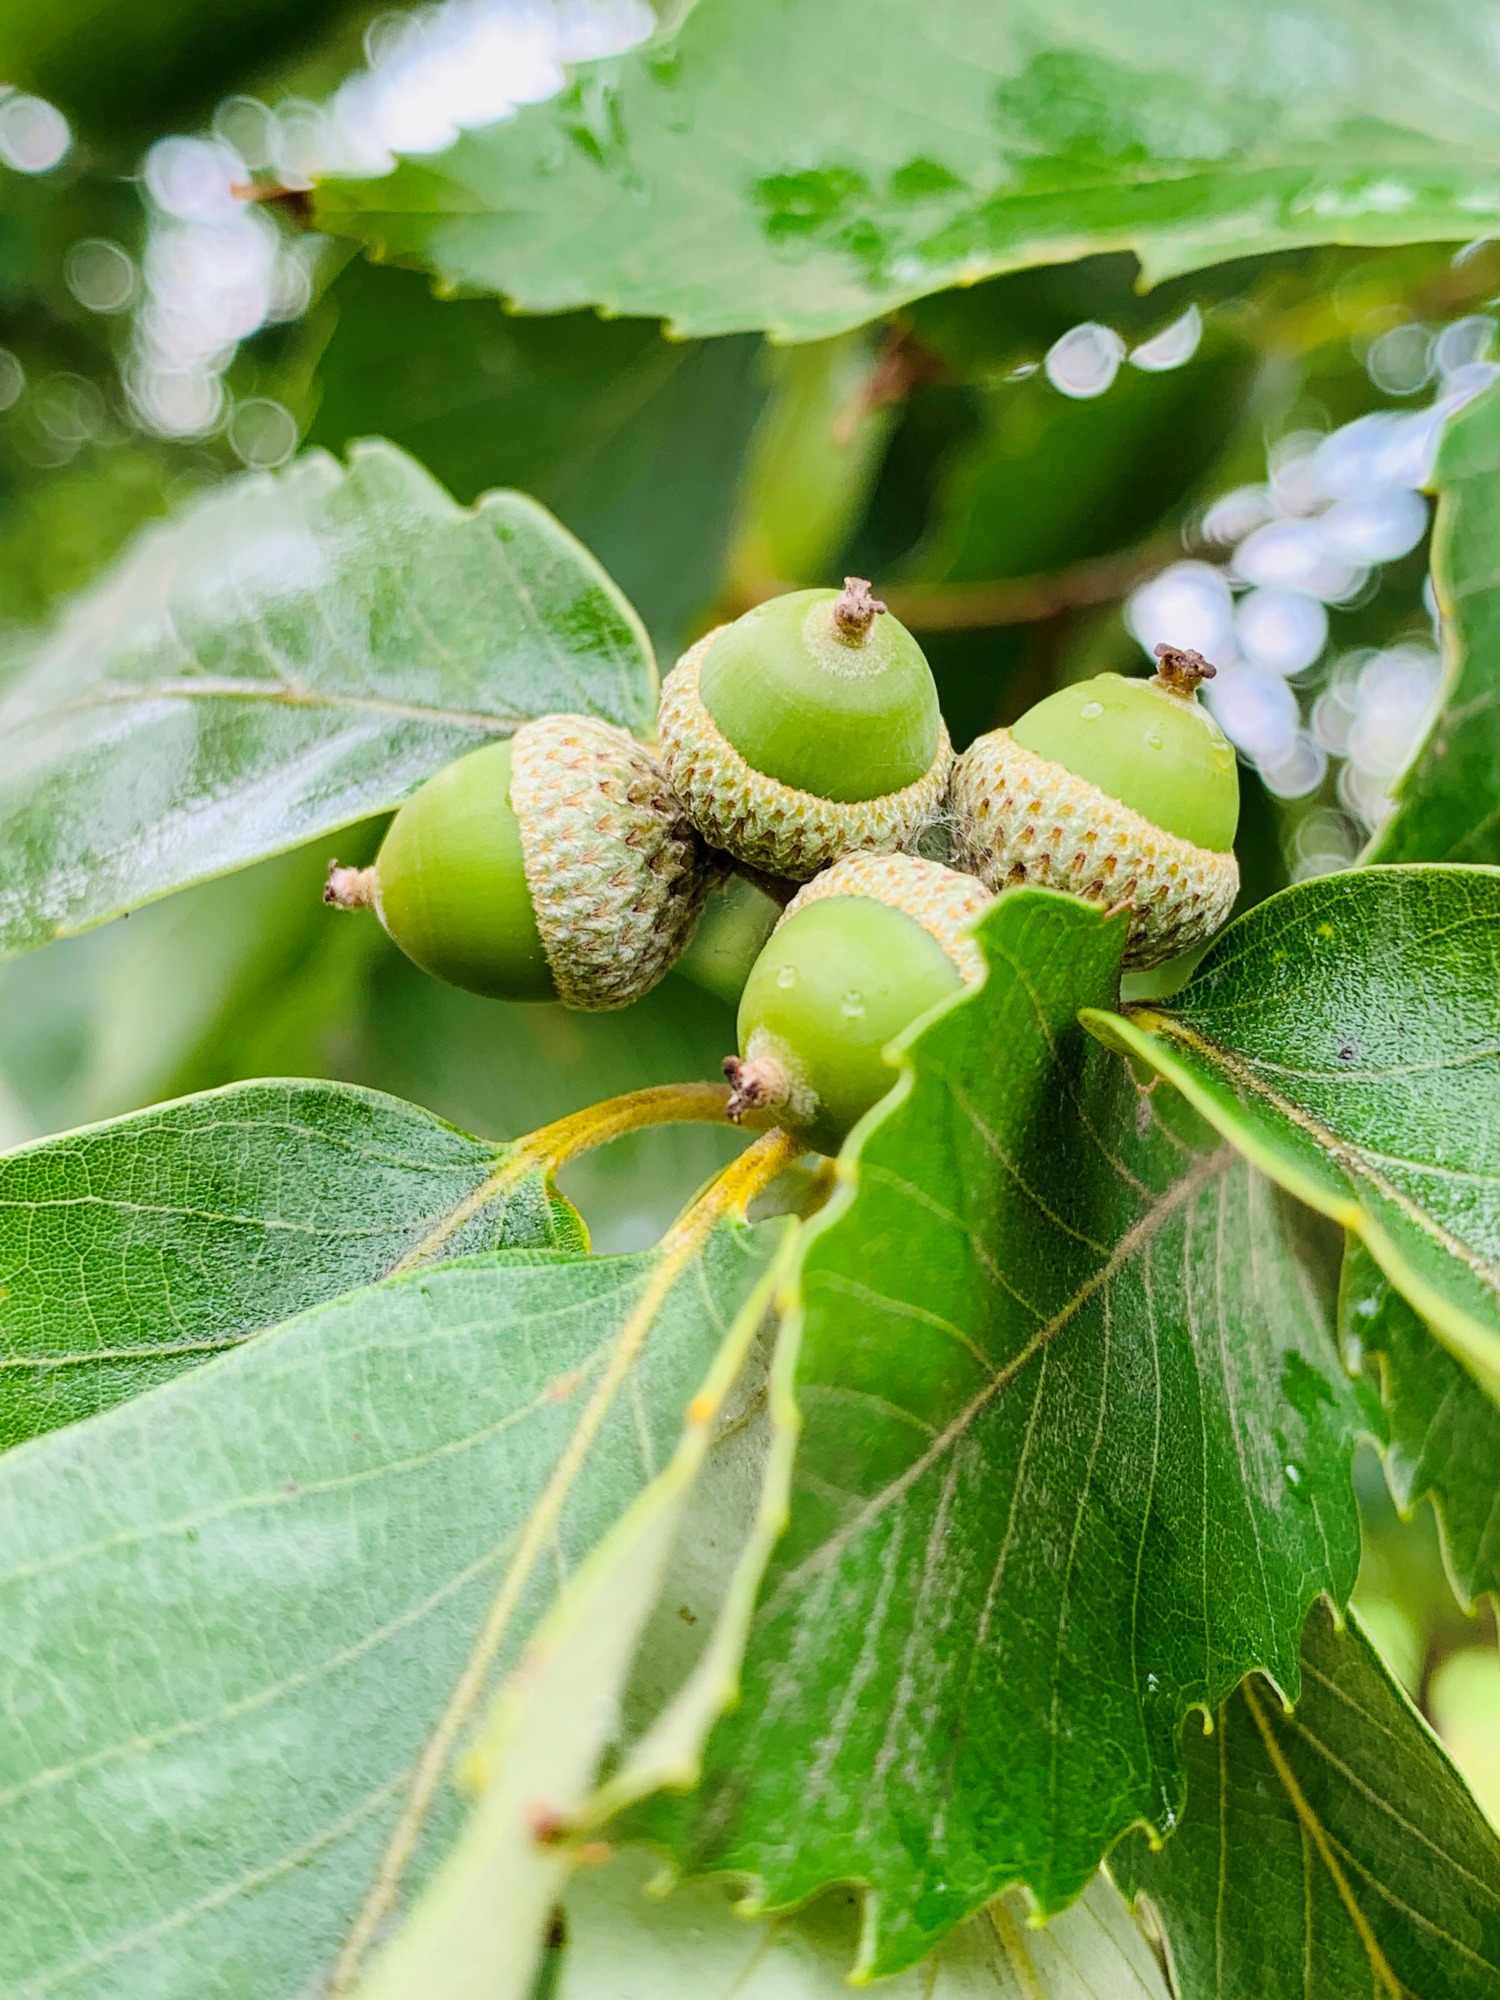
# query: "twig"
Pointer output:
{"type": "Point", "coordinates": [1024, 600]}
{"type": "Point", "coordinates": [1027, 600]}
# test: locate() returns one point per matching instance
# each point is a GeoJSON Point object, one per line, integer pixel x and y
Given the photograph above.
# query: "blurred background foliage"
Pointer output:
{"type": "Point", "coordinates": [1044, 473]}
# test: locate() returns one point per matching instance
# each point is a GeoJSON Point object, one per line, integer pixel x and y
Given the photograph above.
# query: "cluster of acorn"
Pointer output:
{"type": "Point", "coordinates": [803, 744]}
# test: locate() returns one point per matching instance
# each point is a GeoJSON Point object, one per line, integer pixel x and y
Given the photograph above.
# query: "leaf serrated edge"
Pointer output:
{"type": "Point", "coordinates": [1466, 1337]}
{"type": "Point", "coordinates": [847, 1166]}
{"type": "Point", "coordinates": [669, 1757]}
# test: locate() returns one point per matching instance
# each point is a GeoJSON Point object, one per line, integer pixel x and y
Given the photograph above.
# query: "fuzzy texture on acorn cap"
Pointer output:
{"type": "Point", "coordinates": [1017, 817]}
{"type": "Point", "coordinates": [617, 875]}
{"type": "Point", "coordinates": [761, 821]}
{"type": "Point", "coordinates": [943, 901]}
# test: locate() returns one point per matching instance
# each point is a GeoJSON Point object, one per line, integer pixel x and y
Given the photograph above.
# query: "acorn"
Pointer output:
{"type": "Point", "coordinates": [1122, 791]}
{"type": "Point", "coordinates": [807, 730]}
{"type": "Point", "coordinates": [860, 952]}
{"type": "Point", "coordinates": [555, 866]}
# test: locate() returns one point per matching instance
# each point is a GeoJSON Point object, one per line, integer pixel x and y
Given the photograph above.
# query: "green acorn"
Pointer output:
{"type": "Point", "coordinates": [555, 866]}
{"type": "Point", "coordinates": [1124, 792]}
{"type": "Point", "coordinates": [806, 730]}
{"type": "Point", "coordinates": [860, 952]}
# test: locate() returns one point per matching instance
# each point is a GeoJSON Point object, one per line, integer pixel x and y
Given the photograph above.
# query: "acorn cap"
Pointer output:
{"type": "Point", "coordinates": [941, 900]}
{"type": "Point", "coordinates": [761, 821]}
{"type": "Point", "coordinates": [1017, 817]}
{"type": "Point", "coordinates": [616, 874]}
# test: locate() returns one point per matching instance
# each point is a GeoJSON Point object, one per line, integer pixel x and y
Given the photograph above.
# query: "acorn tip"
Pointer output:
{"type": "Point", "coordinates": [1181, 669]}
{"type": "Point", "coordinates": [349, 888]}
{"type": "Point", "coordinates": [856, 609]}
{"type": "Point", "coordinates": [750, 1087]}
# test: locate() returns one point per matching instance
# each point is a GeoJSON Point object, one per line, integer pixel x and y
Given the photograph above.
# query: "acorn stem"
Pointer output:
{"type": "Point", "coordinates": [754, 1086]}
{"type": "Point", "coordinates": [350, 888]}
{"type": "Point", "coordinates": [552, 1146]}
{"type": "Point", "coordinates": [855, 610]}
{"type": "Point", "coordinates": [655, 1104]}
{"type": "Point", "coordinates": [777, 887]}
{"type": "Point", "coordinates": [1180, 670]}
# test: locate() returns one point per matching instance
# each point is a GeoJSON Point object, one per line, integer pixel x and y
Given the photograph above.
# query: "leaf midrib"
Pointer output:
{"type": "Point", "coordinates": [1237, 174]}
{"type": "Point", "coordinates": [1332, 1852]}
{"type": "Point", "coordinates": [1368, 1792]}
{"type": "Point", "coordinates": [163, 1351]}
{"type": "Point", "coordinates": [1313, 1827]}
{"type": "Point", "coordinates": [1134, 1239]}
{"type": "Point", "coordinates": [208, 687]}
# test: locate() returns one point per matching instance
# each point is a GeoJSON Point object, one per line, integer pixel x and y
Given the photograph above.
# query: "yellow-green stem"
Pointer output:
{"type": "Point", "coordinates": [580, 1132]}
{"type": "Point", "coordinates": [635, 1111]}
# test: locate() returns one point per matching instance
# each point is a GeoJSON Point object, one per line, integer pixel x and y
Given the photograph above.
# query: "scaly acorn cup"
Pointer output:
{"type": "Point", "coordinates": [860, 952]}
{"type": "Point", "coordinates": [807, 730]}
{"type": "Point", "coordinates": [1124, 792]}
{"type": "Point", "coordinates": [555, 866]}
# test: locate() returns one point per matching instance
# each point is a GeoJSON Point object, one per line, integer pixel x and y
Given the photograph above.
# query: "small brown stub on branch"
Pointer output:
{"type": "Point", "coordinates": [856, 610]}
{"type": "Point", "coordinates": [561, 1387]}
{"type": "Point", "coordinates": [1180, 670]}
{"type": "Point", "coordinates": [904, 365]}
{"type": "Point", "coordinates": [295, 203]}
{"type": "Point", "coordinates": [349, 888]}
{"type": "Point", "coordinates": [546, 1825]}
